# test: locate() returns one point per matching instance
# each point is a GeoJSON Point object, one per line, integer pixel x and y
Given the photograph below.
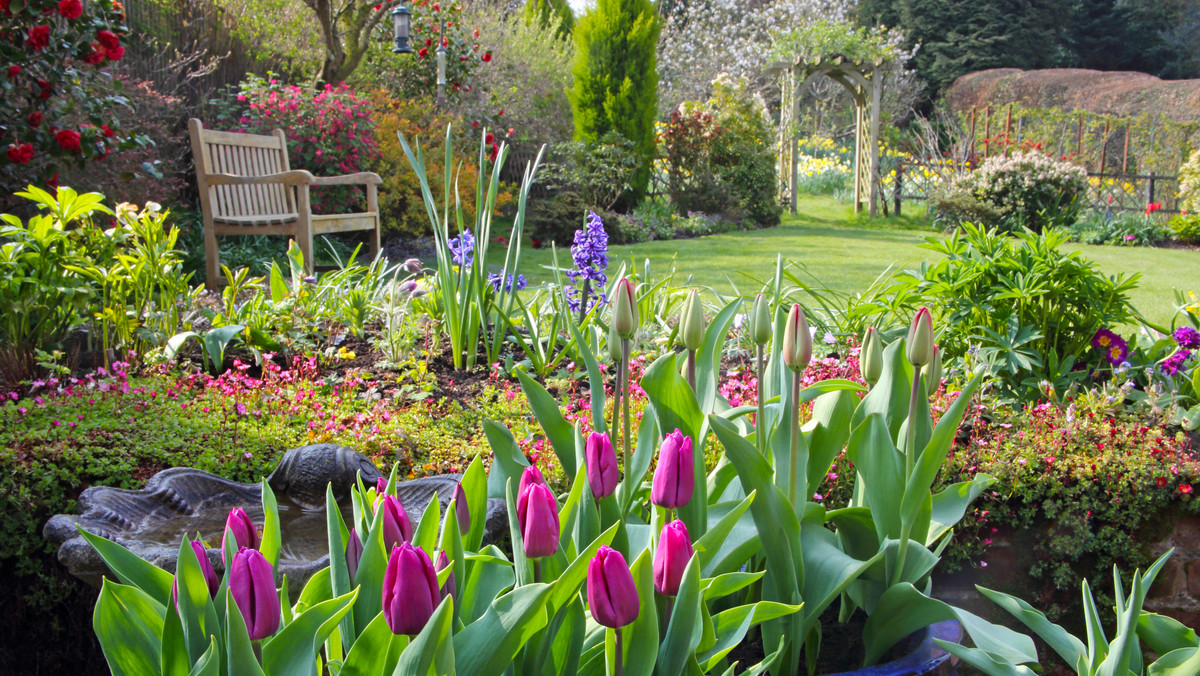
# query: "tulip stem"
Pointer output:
{"type": "Point", "coordinates": [910, 451]}
{"type": "Point", "coordinates": [618, 668]}
{"type": "Point", "coordinates": [614, 433]}
{"type": "Point", "coordinates": [625, 348]}
{"type": "Point", "coordinates": [795, 438]}
{"type": "Point", "coordinates": [760, 421]}
{"type": "Point", "coordinates": [537, 570]}
{"type": "Point", "coordinates": [691, 369]}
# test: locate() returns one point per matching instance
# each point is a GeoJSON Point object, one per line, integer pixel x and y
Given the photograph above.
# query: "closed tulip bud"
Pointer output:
{"type": "Point", "coordinates": [462, 510]}
{"type": "Point", "coordinates": [691, 322]}
{"type": "Point", "coordinates": [210, 575]}
{"type": "Point", "coordinates": [797, 340]}
{"type": "Point", "coordinates": [933, 371]}
{"type": "Point", "coordinates": [531, 475]}
{"type": "Point", "coordinates": [602, 470]}
{"type": "Point", "coordinates": [920, 339]}
{"type": "Point", "coordinates": [410, 590]}
{"type": "Point", "coordinates": [252, 583]}
{"type": "Point", "coordinates": [614, 344]}
{"type": "Point", "coordinates": [239, 524]}
{"type": "Point", "coordinates": [537, 515]}
{"type": "Point", "coordinates": [675, 476]}
{"type": "Point", "coordinates": [760, 320]}
{"type": "Point", "coordinates": [870, 357]}
{"type": "Point", "coordinates": [448, 589]}
{"type": "Point", "coordinates": [671, 558]}
{"type": "Point", "coordinates": [611, 593]}
{"type": "Point", "coordinates": [625, 314]}
{"type": "Point", "coordinates": [381, 485]}
{"type": "Point", "coordinates": [354, 552]}
{"type": "Point", "coordinates": [397, 527]}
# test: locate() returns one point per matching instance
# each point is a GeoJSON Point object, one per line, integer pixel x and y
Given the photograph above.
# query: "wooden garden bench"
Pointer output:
{"type": "Point", "coordinates": [248, 188]}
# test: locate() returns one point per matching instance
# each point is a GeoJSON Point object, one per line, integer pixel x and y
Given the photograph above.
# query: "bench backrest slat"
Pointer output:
{"type": "Point", "coordinates": [222, 152]}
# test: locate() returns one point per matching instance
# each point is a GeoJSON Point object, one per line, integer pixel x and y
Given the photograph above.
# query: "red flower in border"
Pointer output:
{"type": "Point", "coordinates": [487, 56]}
{"type": "Point", "coordinates": [68, 139]}
{"type": "Point", "coordinates": [13, 71]}
{"type": "Point", "coordinates": [39, 37]}
{"type": "Point", "coordinates": [97, 56]}
{"type": "Point", "coordinates": [114, 53]}
{"type": "Point", "coordinates": [20, 153]}
{"type": "Point", "coordinates": [1185, 488]}
{"type": "Point", "coordinates": [35, 119]}
{"type": "Point", "coordinates": [108, 38]}
{"type": "Point", "coordinates": [70, 9]}
{"type": "Point", "coordinates": [422, 52]}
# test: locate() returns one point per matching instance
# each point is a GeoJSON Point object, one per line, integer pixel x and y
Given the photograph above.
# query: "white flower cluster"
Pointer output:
{"type": "Point", "coordinates": [1023, 173]}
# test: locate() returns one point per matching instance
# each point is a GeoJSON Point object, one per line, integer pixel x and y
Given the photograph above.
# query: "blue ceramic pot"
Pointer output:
{"type": "Point", "coordinates": [926, 659]}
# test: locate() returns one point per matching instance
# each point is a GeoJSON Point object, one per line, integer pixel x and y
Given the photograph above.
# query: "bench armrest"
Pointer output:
{"type": "Point", "coordinates": [364, 177]}
{"type": "Point", "coordinates": [294, 177]}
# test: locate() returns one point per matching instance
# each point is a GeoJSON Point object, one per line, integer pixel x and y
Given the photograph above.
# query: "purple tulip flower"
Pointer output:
{"type": "Point", "coordinates": [462, 510]}
{"type": "Point", "coordinates": [354, 552]}
{"type": "Point", "coordinates": [602, 470]}
{"type": "Point", "coordinates": [397, 527]}
{"type": "Point", "coordinates": [675, 476]}
{"type": "Point", "coordinates": [672, 557]}
{"type": "Point", "coordinates": [537, 514]}
{"type": "Point", "coordinates": [611, 593]}
{"type": "Point", "coordinates": [244, 534]}
{"type": "Point", "coordinates": [448, 589]}
{"type": "Point", "coordinates": [410, 590]}
{"type": "Point", "coordinates": [252, 582]}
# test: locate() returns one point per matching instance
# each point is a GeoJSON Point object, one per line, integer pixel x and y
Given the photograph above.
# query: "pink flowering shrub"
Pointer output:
{"type": "Point", "coordinates": [329, 133]}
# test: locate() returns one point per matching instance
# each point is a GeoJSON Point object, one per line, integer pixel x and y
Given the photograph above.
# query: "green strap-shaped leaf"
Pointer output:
{"type": "Point", "coordinates": [509, 461]}
{"type": "Point", "coordinates": [371, 568]}
{"type": "Point", "coordinates": [474, 483]}
{"type": "Point", "coordinates": [827, 432]}
{"type": "Point", "coordinates": [489, 644]}
{"type": "Point", "coordinates": [724, 585]}
{"type": "Point", "coordinates": [889, 397]}
{"type": "Point", "coordinates": [339, 570]}
{"type": "Point", "coordinates": [723, 519]}
{"type": "Point", "coordinates": [209, 663]}
{"type": "Point", "coordinates": [239, 653]}
{"type": "Point", "coordinates": [131, 569]}
{"type": "Point", "coordinates": [486, 579]}
{"type": "Point", "coordinates": [828, 571]}
{"type": "Point", "coordinates": [294, 649]}
{"type": "Point", "coordinates": [708, 357]}
{"type": "Point", "coordinates": [881, 470]}
{"type": "Point", "coordinates": [271, 540]}
{"type": "Point", "coordinates": [731, 626]}
{"type": "Point", "coordinates": [197, 614]}
{"type": "Point", "coordinates": [985, 662]}
{"type": "Point", "coordinates": [949, 506]}
{"type": "Point", "coordinates": [1163, 634]}
{"type": "Point", "coordinates": [1069, 648]}
{"type": "Point", "coordinates": [683, 629]}
{"type": "Point", "coordinates": [432, 650]}
{"type": "Point", "coordinates": [128, 623]}
{"type": "Point", "coordinates": [375, 652]}
{"type": "Point", "coordinates": [545, 408]}
{"type": "Point", "coordinates": [1181, 662]}
{"type": "Point", "coordinates": [641, 637]}
{"type": "Point", "coordinates": [173, 651]}
{"type": "Point", "coordinates": [426, 534]}
{"type": "Point", "coordinates": [595, 378]}
{"type": "Point", "coordinates": [643, 454]}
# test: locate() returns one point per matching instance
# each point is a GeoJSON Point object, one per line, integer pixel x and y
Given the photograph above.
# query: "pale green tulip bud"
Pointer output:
{"type": "Point", "coordinates": [933, 371]}
{"type": "Point", "coordinates": [625, 315]}
{"type": "Point", "coordinates": [691, 321]}
{"type": "Point", "coordinates": [870, 358]}
{"type": "Point", "coordinates": [920, 339]}
{"type": "Point", "coordinates": [797, 340]}
{"type": "Point", "coordinates": [614, 343]}
{"type": "Point", "coordinates": [760, 320]}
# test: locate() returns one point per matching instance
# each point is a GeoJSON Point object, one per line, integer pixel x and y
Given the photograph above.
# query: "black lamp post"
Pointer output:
{"type": "Point", "coordinates": [401, 25]}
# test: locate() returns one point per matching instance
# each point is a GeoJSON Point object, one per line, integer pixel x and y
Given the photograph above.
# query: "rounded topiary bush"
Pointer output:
{"type": "Point", "coordinates": [1027, 189]}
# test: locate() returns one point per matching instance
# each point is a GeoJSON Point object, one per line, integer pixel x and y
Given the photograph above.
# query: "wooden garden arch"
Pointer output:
{"type": "Point", "coordinates": [864, 80]}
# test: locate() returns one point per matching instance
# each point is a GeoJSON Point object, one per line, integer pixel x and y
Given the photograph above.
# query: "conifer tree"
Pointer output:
{"type": "Point", "coordinates": [616, 77]}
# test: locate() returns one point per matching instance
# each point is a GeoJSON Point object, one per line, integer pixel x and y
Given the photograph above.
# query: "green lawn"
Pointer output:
{"type": "Point", "coordinates": [846, 253]}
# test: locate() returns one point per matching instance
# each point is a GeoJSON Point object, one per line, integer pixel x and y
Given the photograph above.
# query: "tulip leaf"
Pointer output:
{"type": "Point", "coordinates": [732, 625]}
{"type": "Point", "coordinates": [828, 571]}
{"type": "Point", "coordinates": [888, 397]}
{"type": "Point", "coordinates": [724, 585]}
{"type": "Point", "coordinates": [271, 542]}
{"type": "Point", "coordinates": [521, 564]}
{"type": "Point", "coordinates": [902, 610]}
{"type": "Point", "coordinates": [644, 450]}
{"type": "Point", "coordinates": [578, 518]}
{"type": "Point", "coordinates": [827, 432]}
{"type": "Point", "coordinates": [489, 644]}
{"type": "Point", "coordinates": [950, 504]}
{"type": "Point", "coordinates": [881, 471]}
{"type": "Point", "coordinates": [640, 638]}
{"type": "Point", "coordinates": [595, 378]}
{"type": "Point", "coordinates": [370, 574]}
{"type": "Point", "coordinates": [569, 582]}
{"type": "Point", "coordinates": [294, 649]}
{"type": "Point", "coordinates": [568, 640]}
{"type": "Point", "coordinates": [1068, 647]}
{"type": "Point", "coordinates": [508, 461]}
{"type": "Point", "coordinates": [1180, 662]}
{"type": "Point", "coordinates": [856, 531]}
{"type": "Point", "coordinates": [375, 652]}
{"type": "Point", "coordinates": [209, 663]}
{"type": "Point", "coordinates": [684, 628]}
{"type": "Point", "coordinates": [730, 540]}
{"type": "Point", "coordinates": [708, 357]}
{"type": "Point", "coordinates": [432, 650]}
{"type": "Point", "coordinates": [545, 408]}
{"type": "Point", "coordinates": [486, 578]}
{"type": "Point", "coordinates": [317, 590]}
{"type": "Point", "coordinates": [197, 614]}
{"type": "Point", "coordinates": [451, 544]}
{"type": "Point", "coordinates": [132, 570]}
{"type": "Point", "coordinates": [474, 483]}
{"type": "Point", "coordinates": [173, 648]}
{"type": "Point", "coordinates": [129, 623]}
{"type": "Point", "coordinates": [983, 661]}
{"type": "Point", "coordinates": [425, 535]}
{"type": "Point", "coordinates": [675, 407]}
{"type": "Point", "coordinates": [339, 568]}
{"type": "Point", "coordinates": [1163, 634]}
{"type": "Point", "coordinates": [239, 653]}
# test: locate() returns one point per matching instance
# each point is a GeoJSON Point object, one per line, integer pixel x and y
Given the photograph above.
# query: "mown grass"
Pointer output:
{"type": "Point", "coordinates": [846, 253]}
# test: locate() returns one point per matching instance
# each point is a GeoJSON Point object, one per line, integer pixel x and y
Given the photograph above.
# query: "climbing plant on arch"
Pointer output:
{"type": "Point", "coordinates": [856, 58]}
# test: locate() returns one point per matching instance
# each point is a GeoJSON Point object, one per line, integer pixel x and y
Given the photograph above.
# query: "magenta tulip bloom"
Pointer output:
{"type": "Point", "coordinates": [252, 582]}
{"type": "Point", "coordinates": [397, 527]}
{"type": "Point", "coordinates": [354, 552]}
{"type": "Point", "coordinates": [611, 593]}
{"type": "Point", "coordinates": [672, 557]}
{"type": "Point", "coordinates": [381, 485]}
{"type": "Point", "coordinates": [410, 590]}
{"type": "Point", "coordinates": [675, 476]}
{"type": "Point", "coordinates": [210, 575]}
{"type": "Point", "coordinates": [462, 510]}
{"type": "Point", "coordinates": [443, 562]}
{"type": "Point", "coordinates": [602, 470]}
{"type": "Point", "coordinates": [531, 475]}
{"type": "Point", "coordinates": [537, 515]}
{"type": "Point", "coordinates": [244, 534]}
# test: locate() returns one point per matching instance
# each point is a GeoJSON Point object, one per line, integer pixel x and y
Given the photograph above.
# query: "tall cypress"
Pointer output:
{"type": "Point", "coordinates": [616, 77]}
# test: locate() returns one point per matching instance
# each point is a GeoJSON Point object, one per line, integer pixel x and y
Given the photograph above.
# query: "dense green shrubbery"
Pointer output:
{"type": "Point", "coordinates": [1024, 190]}
{"type": "Point", "coordinates": [1186, 228]}
{"type": "Point", "coordinates": [1123, 229]}
{"type": "Point", "coordinates": [582, 176]}
{"type": "Point", "coordinates": [718, 157]}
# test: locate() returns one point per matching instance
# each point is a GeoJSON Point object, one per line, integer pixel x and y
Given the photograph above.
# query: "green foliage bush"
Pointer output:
{"type": "Point", "coordinates": [616, 78]}
{"type": "Point", "coordinates": [1024, 190]}
{"type": "Point", "coordinates": [1186, 228]}
{"type": "Point", "coordinates": [1189, 183]}
{"type": "Point", "coordinates": [1122, 229]}
{"type": "Point", "coordinates": [719, 158]}
{"type": "Point", "coordinates": [581, 175]}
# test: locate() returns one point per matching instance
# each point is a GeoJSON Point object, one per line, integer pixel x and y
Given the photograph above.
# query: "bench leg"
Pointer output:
{"type": "Point", "coordinates": [373, 208]}
{"type": "Point", "coordinates": [304, 236]}
{"type": "Point", "coordinates": [212, 255]}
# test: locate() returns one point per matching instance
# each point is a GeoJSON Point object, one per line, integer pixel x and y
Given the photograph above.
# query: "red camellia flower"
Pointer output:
{"type": "Point", "coordinates": [39, 37]}
{"type": "Point", "coordinates": [13, 71]}
{"type": "Point", "coordinates": [422, 52]}
{"type": "Point", "coordinates": [490, 139]}
{"type": "Point", "coordinates": [114, 53]}
{"type": "Point", "coordinates": [487, 56]}
{"type": "Point", "coordinates": [70, 9]}
{"type": "Point", "coordinates": [35, 119]}
{"type": "Point", "coordinates": [108, 38]}
{"type": "Point", "coordinates": [46, 89]}
{"type": "Point", "coordinates": [68, 139]}
{"type": "Point", "coordinates": [428, 42]}
{"type": "Point", "coordinates": [20, 153]}
{"type": "Point", "coordinates": [97, 55]}
{"type": "Point", "coordinates": [108, 132]}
